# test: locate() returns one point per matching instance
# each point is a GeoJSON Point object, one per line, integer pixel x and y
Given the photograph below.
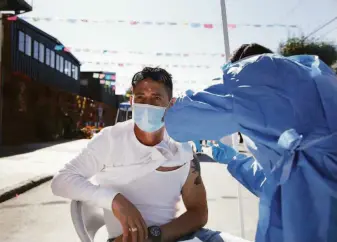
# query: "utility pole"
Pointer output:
{"type": "Point", "coordinates": [235, 140]}
{"type": "Point", "coordinates": [225, 28]}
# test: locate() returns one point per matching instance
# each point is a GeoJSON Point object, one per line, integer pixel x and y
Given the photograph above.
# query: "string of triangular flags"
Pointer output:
{"type": "Point", "coordinates": [159, 54]}
{"type": "Point", "coordinates": [111, 77]}
{"type": "Point", "coordinates": [148, 23]}
{"type": "Point", "coordinates": [109, 82]}
{"type": "Point", "coordinates": [128, 64]}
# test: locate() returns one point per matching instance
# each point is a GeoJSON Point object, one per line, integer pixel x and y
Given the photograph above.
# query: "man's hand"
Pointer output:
{"type": "Point", "coordinates": [130, 219]}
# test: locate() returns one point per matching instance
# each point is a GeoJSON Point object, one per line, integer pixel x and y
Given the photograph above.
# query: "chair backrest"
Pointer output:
{"type": "Point", "coordinates": [87, 220]}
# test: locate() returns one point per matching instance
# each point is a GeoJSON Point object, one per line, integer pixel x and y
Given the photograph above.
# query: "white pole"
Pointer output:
{"type": "Point", "coordinates": [225, 28]}
{"type": "Point", "coordinates": [234, 136]}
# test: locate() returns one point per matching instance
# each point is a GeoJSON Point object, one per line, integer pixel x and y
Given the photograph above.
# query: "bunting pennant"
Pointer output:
{"type": "Point", "coordinates": [113, 52]}
{"type": "Point", "coordinates": [65, 49]}
{"type": "Point", "coordinates": [111, 77]}
{"type": "Point", "coordinates": [148, 23]}
{"type": "Point", "coordinates": [122, 65]}
{"type": "Point", "coordinates": [122, 87]}
{"type": "Point", "coordinates": [59, 47]}
{"type": "Point", "coordinates": [12, 18]}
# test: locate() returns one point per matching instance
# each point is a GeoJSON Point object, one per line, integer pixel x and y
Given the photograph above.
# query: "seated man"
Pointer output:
{"type": "Point", "coordinates": [141, 173]}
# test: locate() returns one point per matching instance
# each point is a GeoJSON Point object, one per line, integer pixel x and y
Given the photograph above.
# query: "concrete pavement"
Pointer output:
{"type": "Point", "coordinates": [21, 172]}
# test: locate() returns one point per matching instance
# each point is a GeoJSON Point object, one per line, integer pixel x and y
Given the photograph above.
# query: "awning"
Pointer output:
{"type": "Point", "coordinates": [15, 5]}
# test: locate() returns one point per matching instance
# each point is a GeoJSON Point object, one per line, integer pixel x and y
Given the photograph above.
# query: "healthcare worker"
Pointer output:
{"type": "Point", "coordinates": [286, 109]}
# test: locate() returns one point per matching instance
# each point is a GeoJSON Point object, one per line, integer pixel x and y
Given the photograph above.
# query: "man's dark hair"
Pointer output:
{"type": "Point", "coordinates": [247, 50]}
{"type": "Point", "coordinates": [156, 74]}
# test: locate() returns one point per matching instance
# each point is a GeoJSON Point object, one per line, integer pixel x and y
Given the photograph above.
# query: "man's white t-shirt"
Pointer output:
{"type": "Point", "coordinates": [119, 163]}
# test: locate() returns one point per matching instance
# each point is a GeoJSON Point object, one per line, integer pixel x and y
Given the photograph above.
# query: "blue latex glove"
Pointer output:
{"type": "Point", "coordinates": [223, 153]}
{"type": "Point", "coordinates": [243, 168]}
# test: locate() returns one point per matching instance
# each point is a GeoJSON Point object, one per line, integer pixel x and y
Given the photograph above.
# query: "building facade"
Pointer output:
{"type": "Point", "coordinates": [100, 86]}
{"type": "Point", "coordinates": [39, 85]}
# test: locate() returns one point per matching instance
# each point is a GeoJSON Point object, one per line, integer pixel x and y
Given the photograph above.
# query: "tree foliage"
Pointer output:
{"type": "Point", "coordinates": [327, 52]}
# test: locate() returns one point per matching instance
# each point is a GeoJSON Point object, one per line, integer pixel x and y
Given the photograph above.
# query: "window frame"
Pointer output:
{"type": "Point", "coordinates": [47, 56]}
{"type": "Point", "coordinates": [62, 64]}
{"type": "Point", "coordinates": [21, 41]}
{"type": "Point", "coordinates": [57, 62]}
{"type": "Point", "coordinates": [28, 46]}
{"type": "Point", "coordinates": [36, 50]}
{"type": "Point", "coordinates": [70, 68]}
{"type": "Point", "coordinates": [41, 53]}
{"type": "Point", "coordinates": [52, 59]}
{"type": "Point", "coordinates": [75, 72]}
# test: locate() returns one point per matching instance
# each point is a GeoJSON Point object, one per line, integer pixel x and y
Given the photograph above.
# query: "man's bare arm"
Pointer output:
{"type": "Point", "coordinates": [194, 197]}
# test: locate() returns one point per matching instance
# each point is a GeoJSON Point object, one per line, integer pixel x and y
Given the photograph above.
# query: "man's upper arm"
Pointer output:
{"type": "Point", "coordinates": [72, 181]}
{"type": "Point", "coordinates": [92, 158]}
{"type": "Point", "coordinates": [193, 192]}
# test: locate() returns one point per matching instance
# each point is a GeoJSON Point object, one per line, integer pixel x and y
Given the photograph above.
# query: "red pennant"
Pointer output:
{"type": "Point", "coordinates": [208, 26]}
{"type": "Point", "coordinates": [133, 22]}
{"type": "Point", "coordinates": [66, 49]}
{"type": "Point", "coordinates": [232, 26]}
{"type": "Point", "coordinates": [12, 18]}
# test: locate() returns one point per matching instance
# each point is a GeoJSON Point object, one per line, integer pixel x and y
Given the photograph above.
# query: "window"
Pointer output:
{"type": "Point", "coordinates": [75, 72]}
{"type": "Point", "coordinates": [52, 59]}
{"type": "Point", "coordinates": [61, 64]}
{"type": "Point", "coordinates": [57, 62]}
{"type": "Point", "coordinates": [69, 68]}
{"type": "Point", "coordinates": [41, 53]}
{"type": "Point", "coordinates": [21, 41]}
{"type": "Point", "coordinates": [66, 67]}
{"type": "Point", "coordinates": [36, 50]}
{"type": "Point", "coordinates": [47, 56]}
{"type": "Point", "coordinates": [28, 45]}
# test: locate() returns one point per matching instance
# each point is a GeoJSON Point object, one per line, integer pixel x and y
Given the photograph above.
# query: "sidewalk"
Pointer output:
{"type": "Point", "coordinates": [19, 173]}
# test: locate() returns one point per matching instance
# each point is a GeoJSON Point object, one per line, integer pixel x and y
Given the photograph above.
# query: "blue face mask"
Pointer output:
{"type": "Point", "coordinates": [148, 118]}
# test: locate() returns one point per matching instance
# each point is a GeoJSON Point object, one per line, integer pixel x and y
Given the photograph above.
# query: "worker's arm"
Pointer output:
{"type": "Point", "coordinates": [248, 172]}
{"type": "Point", "coordinates": [194, 198]}
{"type": "Point", "coordinates": [206, 115]}
{"type": "Point", "coordinates": [243, 168]}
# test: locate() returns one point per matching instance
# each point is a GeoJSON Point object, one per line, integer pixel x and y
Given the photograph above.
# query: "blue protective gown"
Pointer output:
{"type": "Point", "coordinates": [197, 145]}
{"type": "Point", "coordinates": [287, 108]}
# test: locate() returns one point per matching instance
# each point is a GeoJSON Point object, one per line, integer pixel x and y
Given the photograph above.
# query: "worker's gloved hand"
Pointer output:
{"type": "Point", "coordinates": [223, 153]}
{"type": "Point", "coordinates": [189, 93]}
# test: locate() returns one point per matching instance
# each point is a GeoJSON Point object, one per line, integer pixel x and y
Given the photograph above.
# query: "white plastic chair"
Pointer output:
{"type": "Point", "coordinates": [87, 220]}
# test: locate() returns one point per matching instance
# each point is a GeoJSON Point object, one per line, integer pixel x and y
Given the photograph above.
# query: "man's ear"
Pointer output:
{"type": "Point", "coordinates": [172, 102]}
{"type": "Point", "coordinates": [131, 100]}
